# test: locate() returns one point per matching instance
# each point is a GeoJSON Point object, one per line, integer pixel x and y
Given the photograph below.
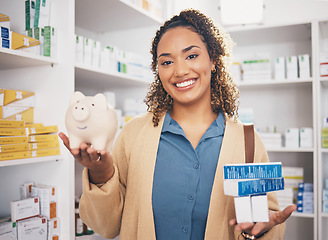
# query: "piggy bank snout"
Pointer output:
{"type": "Point", "coordinates": [80, 112]}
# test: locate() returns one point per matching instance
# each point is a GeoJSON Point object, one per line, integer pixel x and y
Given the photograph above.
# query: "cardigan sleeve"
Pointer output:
{"type": "Point", "coordinates": [101, 208]}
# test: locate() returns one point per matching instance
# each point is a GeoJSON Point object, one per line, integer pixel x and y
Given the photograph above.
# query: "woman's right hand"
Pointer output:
{"type": "Point", "coordinates": [99, 163]}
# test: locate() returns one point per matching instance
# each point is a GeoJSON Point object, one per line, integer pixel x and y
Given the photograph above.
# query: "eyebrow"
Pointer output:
{"type": "Point", "coordinates": [183, 50]}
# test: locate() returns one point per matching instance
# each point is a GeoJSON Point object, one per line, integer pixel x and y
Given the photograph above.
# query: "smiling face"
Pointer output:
{"type": "Point", "coordinates": [184, 67]}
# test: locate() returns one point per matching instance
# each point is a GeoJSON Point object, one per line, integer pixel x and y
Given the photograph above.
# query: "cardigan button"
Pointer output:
{"type": "Point", "coordinates": [185, 229]}
{"type": "Point", "coordinates": [196, 166]}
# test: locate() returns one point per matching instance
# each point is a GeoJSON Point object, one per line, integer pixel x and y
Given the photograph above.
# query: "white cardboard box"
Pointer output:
{"type": "Point", "coordinates": [32, 229]}
{"type": "Point", "coordinates": [280, 68]}
{"type": "Point", "coordinates": [292, 68]}
{"type": "Point", "coordinates": [243, 208]}
{"type": "Point", "coordinates": [304, 66]}
{"type": "Point", "coordinates": [25, 208]}
{"type": "Point", "coordinates": [53, 228]}
{"type": "Point", "coordinates": [8, 230]}
{"type": "Point", "coordinates": [260, 208]}
{"type": "Point", "coordinates": [292, 137]}
{"type": "Point", "coordinates": [306, 137]}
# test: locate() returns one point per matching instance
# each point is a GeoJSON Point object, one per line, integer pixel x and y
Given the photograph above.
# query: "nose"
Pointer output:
{"type": "Point", "coordinates": [181, 68]}
{"type": "Point", "coordinates": [80, 112]}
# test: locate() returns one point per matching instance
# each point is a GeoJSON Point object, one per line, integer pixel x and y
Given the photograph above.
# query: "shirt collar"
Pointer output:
{"type": "Point", "coordinates": [216, 128]}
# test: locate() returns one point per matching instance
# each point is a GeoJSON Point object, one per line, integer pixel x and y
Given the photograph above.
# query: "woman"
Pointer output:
{"type": "Point", "coordinates": [163, 179]}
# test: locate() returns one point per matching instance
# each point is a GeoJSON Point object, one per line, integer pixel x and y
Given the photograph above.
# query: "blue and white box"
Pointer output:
{"type": "Point", "coordinates": [253, 186]}
{"type": "Point", "coordinates": [252, 170]}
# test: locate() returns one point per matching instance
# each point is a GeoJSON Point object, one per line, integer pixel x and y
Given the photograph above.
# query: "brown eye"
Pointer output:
{"type": "Point", "coordinates": [93, 104]}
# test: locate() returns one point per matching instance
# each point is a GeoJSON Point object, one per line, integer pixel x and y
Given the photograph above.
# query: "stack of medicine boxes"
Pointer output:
{"type": "Point", "coordinates": [249, 183]}
{"type": "Point", "coordinates": [325, 197]}
{"type": "Point", "coordinates": [19, 137]}
{"type": "Point", "coordinates": [305, 198]}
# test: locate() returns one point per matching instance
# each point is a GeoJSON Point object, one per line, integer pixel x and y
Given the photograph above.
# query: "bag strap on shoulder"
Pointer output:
{"type": "Point", "coordinates": [249, 143]}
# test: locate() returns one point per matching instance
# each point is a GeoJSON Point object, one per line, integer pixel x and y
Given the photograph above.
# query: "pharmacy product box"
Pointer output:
{"type": "Point", "coordinates": [32, 229]}
{"type": "Point", "coordinates": [17, 113]}
{"type": "Point", "coordinates": [292, 68]}
{"type": "Point", "coordinates": [42, 130]}
{"type": "Point", "coordinates": [49, 41]}
{"type": "Point", "coordinates": [4, 32]}
{"type": "Point", "coordinates": [323, 64]}
{"type": "Point", "coordinates": [53, 229]}
{"type": "Point", "coordinates": [304, 66]}
{"type": "Point", "coordinates": [260, 208]}
{"type": "Point", "coordinates": [44, 145]}
{"type": "Point", "coordinates": [325, 206]}
{"type": "Point", "coordinates": [14, 147]}
{"type": "Point", "coordinates": [252, 170]}
{"type": "Point", "coordinates": [44, 152]}
{"type": "Point", "coordinates": [292, 138]}
{"type": "Point", "coordinates": [5, 43]}
{"type": "Point", "coordinates": [8, 230]}
{"type": "Point", "coordinates": [305, 187]}
{"type": "Point", "coordinates": [79, 49]}
{"type": "Point", "coordinates": [12, 124]}
{"type": "Point", "coordinates": [16, 98]}
{"type": "Point", "coordinates": [96, 47]}
{"type": "Point", "coordinates": [280, 68]}
{"type": "Point", "coordinates": [243, 209]}
{"type": "Point", "coordinates": [25, 208]}
{"type": "Point", "coordinates": [13, 140]}
{"type": "Point", "coordinates": [38, 33]}
{"type": "Point", "coordinates": [13, 155]}
{"type": "Point", "coordinates": [87, 51]}
{"type": "Point", "coordinates": [48, 200]}
{"type": "Point", "coordinates": [305, 209]}
{"type": "Point", "coordinates": [4, 20]}
{"type": "Point", "coordinates": [325, 194]}
{"type": "Point", "coordinates": [306, 137]}
{"type": "Point", "coordinates": [25, 190]}
{"type": "Point", "coordinates": [253, 186]}
{"type": "Point", "coordinates": [20, 41]}
{"type": "Point", "coordinates": [42, 138]}
{"type": "Point", "coordinates": [13, 132]}
{"type": "Point", "coordinates": [42, 13]}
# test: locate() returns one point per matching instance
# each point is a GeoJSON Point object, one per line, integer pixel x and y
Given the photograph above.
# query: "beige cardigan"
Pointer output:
{"type": "Point", "coordinates": [124, 204]}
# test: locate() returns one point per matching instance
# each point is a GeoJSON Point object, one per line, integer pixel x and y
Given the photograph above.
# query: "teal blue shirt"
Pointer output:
{"type": "Point", "coordinates": [183, 180]}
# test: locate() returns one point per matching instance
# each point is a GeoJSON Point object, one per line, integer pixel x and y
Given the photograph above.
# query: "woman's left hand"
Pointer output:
{"type": "Point", "coordinates": [259, 228]}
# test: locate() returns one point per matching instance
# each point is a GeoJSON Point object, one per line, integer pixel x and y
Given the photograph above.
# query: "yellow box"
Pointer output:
{"type": "Point", "coordinates": [14, 147]}
{"type": "Point", "coordinates": [42, 138]}
{"type": "Point", "coordinates": [20, 41]}
{"type": "Point", "coordinates": [13, 140]}
{"type": "Point", "coordinates": [13, 132]}
{"type": "Point", "coordinates": [25, 114]}
{"type": "Point", "coordinates": [44, 152]}
{"type": "Point", "coordinates": [13, 155]}
{"type": "Point", "coordinates": [16, 98]}
{"type": "Point", "coordinates": [33, 125]}
{"type": "Point", "coordinates": [42, 130]}
{"type": "Point", "coordinates": [44, 145]}
{"type": "Point", "coordinates": [12, 124]}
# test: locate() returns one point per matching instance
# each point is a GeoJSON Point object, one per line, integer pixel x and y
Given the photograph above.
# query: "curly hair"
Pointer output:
{"type": "Point", "coordinates": [224, 93]}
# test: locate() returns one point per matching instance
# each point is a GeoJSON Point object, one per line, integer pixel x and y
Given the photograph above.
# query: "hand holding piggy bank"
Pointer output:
{"type": "Point", "coordinates": [91, 120]}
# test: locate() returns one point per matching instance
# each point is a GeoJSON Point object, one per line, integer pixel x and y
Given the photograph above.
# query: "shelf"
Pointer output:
{"type": "Point", "coordinates": [325, 215]}
{"type": "Point", "coordinates": [283, 149]}
{"type": "Point", "coordinates": [324, 81]}
{"type": "Point", "coordinates": [324, 150]}
{"type": "Point", "coordinates": [30, 160]}
{"type": "Point", "coordinates": [102, 16]}
{"type": "Point", "coordinates": [11, 59]}
{"type": "Point", "coordinates": [304, 215]}
{"type": "Point", "coordinates": [273, 82]}
{"type": "Point", "coordinates": [88, 75]}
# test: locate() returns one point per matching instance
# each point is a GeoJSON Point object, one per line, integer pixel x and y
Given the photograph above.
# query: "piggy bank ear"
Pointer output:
{"type": "Point", "coordinates": [76, 97]}
{"type": "Point", "coordinates": [101, 101]}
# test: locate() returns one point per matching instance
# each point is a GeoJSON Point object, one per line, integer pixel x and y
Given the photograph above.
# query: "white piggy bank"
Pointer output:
{"type": "Point", "coordinates": [91, 120]}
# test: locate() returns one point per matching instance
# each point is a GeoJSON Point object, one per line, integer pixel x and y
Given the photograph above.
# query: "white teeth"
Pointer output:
{"type": "Point", "coordinates": [185, 83]}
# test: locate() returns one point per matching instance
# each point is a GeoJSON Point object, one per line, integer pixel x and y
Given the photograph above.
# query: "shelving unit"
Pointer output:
{"type": "Point", "coordinates": [304, 101]}
{"type": "Point", "coordinates": [52, 80]}
{"type": "Point", "coordinates": [283, 103]}
{"type": "Point", "coordinates": [322, 98]}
